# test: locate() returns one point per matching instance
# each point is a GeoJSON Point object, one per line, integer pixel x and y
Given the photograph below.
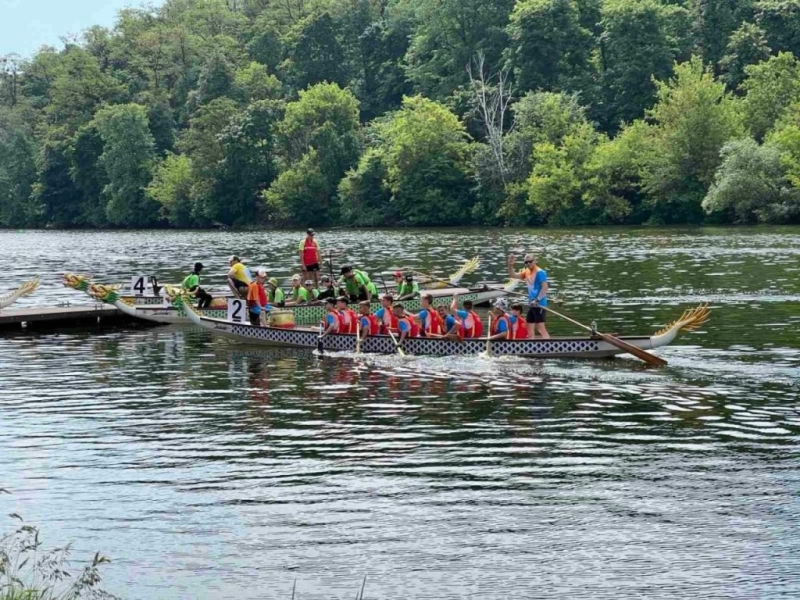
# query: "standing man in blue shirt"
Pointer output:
{"type": "Point", "coordinates": [536, 280]}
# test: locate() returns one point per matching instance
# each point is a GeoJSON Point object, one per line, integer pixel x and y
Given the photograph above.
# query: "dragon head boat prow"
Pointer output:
{"type": "Point", "coordinates": [104, 293]}
{"type": "Point", "coordinates": [26, 289]}
{"type": "Point", "coordinates": [690, 320]}
{"type": "Point", "coordinates": [76, 282]}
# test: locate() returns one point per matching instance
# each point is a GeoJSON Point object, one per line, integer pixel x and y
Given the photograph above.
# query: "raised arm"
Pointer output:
{"type": "Point", "coordinates": [511, 272]}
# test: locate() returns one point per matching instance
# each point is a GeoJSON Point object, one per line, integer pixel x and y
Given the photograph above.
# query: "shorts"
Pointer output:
{"type": "Point", "coordinates": [536, 314]}
{"type": "Point", "coordinates": [255, 318]}
{"type": "Point", "coordinates": [311, 268]}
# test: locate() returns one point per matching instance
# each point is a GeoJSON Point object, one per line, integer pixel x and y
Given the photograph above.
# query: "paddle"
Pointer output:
{"type": "Point", "coordinates": [396, 343]}
{"type": "Point", "coordinates": [320, 347]}
{"type": "Point", "coordinates": [614, 341]}
{"type": "Point", "coordinates": [358, 336]}
{"type": "Point", "coordinates": [488, 351]}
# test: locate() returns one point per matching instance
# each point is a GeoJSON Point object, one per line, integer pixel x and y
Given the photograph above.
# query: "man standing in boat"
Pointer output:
{"type": "Point", "coordinates": [310, 257]}
{"type": "Point", "coordinates": [257, 299]}
{"type": "Point", "coordinates": [536, 280]}
{"type": "Point", "coordinates": [238, 280]}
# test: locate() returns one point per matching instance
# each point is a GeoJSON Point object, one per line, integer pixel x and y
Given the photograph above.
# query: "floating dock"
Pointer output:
{"type": "Point", "coordinates": [62, 317]}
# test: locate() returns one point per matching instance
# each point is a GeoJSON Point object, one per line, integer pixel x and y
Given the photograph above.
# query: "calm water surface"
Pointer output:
{"type": "Point", "coordinates": [210, 470]}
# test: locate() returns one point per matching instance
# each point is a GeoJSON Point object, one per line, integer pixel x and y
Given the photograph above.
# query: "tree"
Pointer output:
{"type": "Point", "coordinates": [635, 48]}
{"type": "Point", "coordinates": [172, 188]}
{"type": "Point", "coordinates": [746, 46]}
{"type": "Point", "coordinates": [314, 53]}
{"type": "Point", "coordinates": [17, 172]}
{"type": "Point", "coordinates": [713, 22]}
{"type": "Point", "coordinates": [128, 152]}
{"type": "Point", "coordinates": [427, 157]}
{"type": "Point", "coordinates": [780, 19]}
{"type": "Point", "coordinates": [693, 119]}
{"type": "Point", "coordinates": [548, 48]}
{"type": "Point", "coordinates": [301, 194]}
{"type": "Point", "coordinates": [751, 184]}
{"type": "Point", "coordinates": [448, 35]}
{"type": "Point", "coordinates": [254, 82]}
{"type": "Point", "coordinates": [365, 199]}
{"type": "Point", "coordinates": [770, 88]}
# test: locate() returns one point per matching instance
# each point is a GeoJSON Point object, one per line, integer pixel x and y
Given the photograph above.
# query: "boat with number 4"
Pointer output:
{"type": "Point", "coordinates": [306, 337]}
{"type": "Point", "coordinates": [305, 314]}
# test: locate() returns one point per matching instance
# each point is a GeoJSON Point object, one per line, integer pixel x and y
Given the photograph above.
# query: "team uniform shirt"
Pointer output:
{"type": "Point", "coordinates": [386, 318]}
{"type": "Point", "coordinates": [450, 321]}
{"type": "Point", "coordinates": [354, 284]}
{"type": "Point", "coordinates": [240, 273]}
{"type": "Point", "coordinates": [536, 279]}
{"type": "Point", "coordinates": [277, 296]}
{"type": "Point", "coordinates": [191, 281]}
{"type": "Point", "coordinates": [405, 289]}
{"type": "Point", "coordinates": [431, 321]}
{"type": "Point", "coordinates": [332, 319]}
{"type": "Point", "coordinates": [256, 297]}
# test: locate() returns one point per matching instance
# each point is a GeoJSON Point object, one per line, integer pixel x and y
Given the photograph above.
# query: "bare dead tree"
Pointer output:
{"type": "Point", "coordinates": [492, 96]}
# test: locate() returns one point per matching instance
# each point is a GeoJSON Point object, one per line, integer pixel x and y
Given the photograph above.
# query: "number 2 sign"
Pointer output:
{"type": "Point", "coordinates": [236, 310]}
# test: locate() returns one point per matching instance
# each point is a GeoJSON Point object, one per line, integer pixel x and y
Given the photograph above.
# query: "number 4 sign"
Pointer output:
{"type": "Point", "coordinates": [138, 285]}
{"type": "Point", "coordinates": [236, 310]}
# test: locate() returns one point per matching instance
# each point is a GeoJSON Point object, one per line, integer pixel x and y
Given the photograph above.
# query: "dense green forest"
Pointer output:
{"type": "Point", "coordinates": [409, 112]}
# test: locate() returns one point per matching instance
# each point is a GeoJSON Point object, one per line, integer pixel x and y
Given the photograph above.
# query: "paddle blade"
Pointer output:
{"type": "Point", "coordinates": [651, 359]}
{"type": "Point", "coordinates": [320, 347]}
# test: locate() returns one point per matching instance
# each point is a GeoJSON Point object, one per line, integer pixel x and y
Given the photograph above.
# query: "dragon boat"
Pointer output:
{"type": "Point", "coordinates": [302, 314]}
{"type": "Point", "coordinates": [307, 337]}
{"type": "Point", "coordinates": [26, 289]}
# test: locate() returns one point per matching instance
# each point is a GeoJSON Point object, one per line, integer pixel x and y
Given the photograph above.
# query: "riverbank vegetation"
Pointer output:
{"type": "Point", "coordinates": [409, 112]}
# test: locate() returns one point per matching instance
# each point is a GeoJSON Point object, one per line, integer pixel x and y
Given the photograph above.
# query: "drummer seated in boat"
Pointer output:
{"type": "Point", "coordinates": [369, 323]}
{"type": "Point", "coordinates": [405, 323]}
{"type": "Point", "coordinates": [385, 315]}
{"type": "Point", "coordinates": [332, 320]}
{"type": "Point", "coordinates": [327, 288]}
{"type": "Point", "coordinates": [238, 279]}
{"type": "Point", "coordinates": [275, 294]}
{"type": "Point", "coordinates": [257, 299]}
{"type": "Point", "coordinates": [407, 288]}
{"type": "Point", "coordinates": [348, 321]}
{"type": "Point", "coordinates": [191, 284]}
{"type": "Point", "coordinates": [472, 326]}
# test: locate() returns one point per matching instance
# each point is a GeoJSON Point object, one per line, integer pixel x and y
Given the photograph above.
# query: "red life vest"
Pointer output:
{"type": "Point", "coordinates": [476, 330]}
{"type": "Point", "coordinates": [310, 252]}
{"type": "Point", "coordinates": [509, 327]}
{"type": "Point", "coordinates": [388, 323]}
{"type": "Point", "coordinates": [374, 323]}
{"type": "Point", "coordinates": [434, 324]}
{"type": "Point", "coordinates": [413, 327]}
{"type": "Point", "coordinates": [348, 321]}
{"type": "Point", "coordinates": [520, 329]}
{"type": "Point", "coordinates": [339, 328]}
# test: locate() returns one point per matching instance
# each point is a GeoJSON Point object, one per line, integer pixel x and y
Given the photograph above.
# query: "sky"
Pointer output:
{"type": "Point", "coordinates": [26, 25]}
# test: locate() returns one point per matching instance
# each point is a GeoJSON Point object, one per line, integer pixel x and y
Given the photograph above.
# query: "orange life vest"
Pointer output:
{"type": "Point", "coordinates": [519, 329]}
{"type": "Point", "coordinates": [389, 321]}
{"type": "Point", "coordinates": [509, 327]}
{"type": "Point", "coordinates": [476, 330]}
{"type": "Point", "coordinates": [310, 252]}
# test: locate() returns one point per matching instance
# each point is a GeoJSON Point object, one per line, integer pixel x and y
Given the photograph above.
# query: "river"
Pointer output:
{"type": "Point", "coordinates": [208, 470]}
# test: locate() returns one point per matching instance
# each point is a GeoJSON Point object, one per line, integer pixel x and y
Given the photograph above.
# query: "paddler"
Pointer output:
{"type": "Point", "coordinates": [369, 323]}
{"type": "Point", "coordinates": [327, 288]}
{"type": "Point", "coordinates": [386, 316]}
{"type": "Point", "coordinates": [357, 284]}
{"type": "Point", "coordinates": [332, 319]}
{"type": "Point", "coordinates": [453, 326]}
{"type": "Point", "coordinates": [519, 328]}
{"type": "Point", "coordinates": [310, 257]}
{"type": "Point", "coordinates": [347, 317]}
{"type": "Point", "coordinates": [257, 299]}
{"type": "Point", "coordinates": [501, 323]}
{"type": "Point", "coordinates": [275, 294]}
{"type": "Point", "coordinates": [191, 284]}
{"type": "Point", "coordinates": [432, 325]}
{"type": "Point", "coordinates": [407, 288]}
{"type": "Point", "coordinates": [297, 289]}
{"type": "Point", "coordinates": [405, 324]}
{"type": "Point", "coordinates": [238, 279]}
{"type": "Point", "coordinates": [536, 280]}
{"type": "Point", "coordinates": [309, 293]}
{"type": "Point", "coordinates": [472, 326]}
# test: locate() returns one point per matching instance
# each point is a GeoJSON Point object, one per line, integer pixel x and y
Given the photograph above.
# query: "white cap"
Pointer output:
{"type": "Point", "coordinates": [501, 304]}
{"type": "Point", "coordinates": [309, 282]}
{"type": "Point", "coordinates": [261, 272]}
{"type": "Point", "coordinates": [296, 278]}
